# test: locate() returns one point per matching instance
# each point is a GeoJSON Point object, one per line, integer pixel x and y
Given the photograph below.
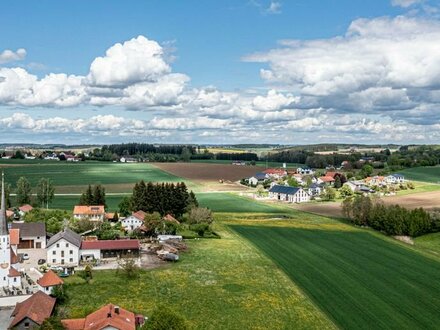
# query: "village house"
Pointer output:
{"type": "Point", "coordinates": [134, 221]}
{"type": "Point", "coordinates": [258, 178]}
{"type": "Point", "coordinates": [92, 213]}
{"type": "Point", "coordinates": [25, 209]}
{"type": "Point", "coordinates": [49, 281]}
{"type": "Point", "coordinates": [32, 235]}
{"type": "Point", "coordinates": [395, 178]}
{"type": "Point", "coordinates": [31, 313]}
{"type": "Point", "coordinates": [376, 181]}
{"type": "Point", "coordinates": [128, 160]}
{"type": "Point", "coordinates": [275, 173]}
{"type": "Point", "coordinates": [63, 248]}
{"type": "Point", "coordinates": [358, 186]}
{"type": "Point", "coordinates": [289, 194]}
{"type": "Point", "coordinates": [107, 317]}
{"type": "Point", "coordinates": [327, 180]}
{"type": "Point", "coordinates": [315, 189]}
{"type": "Point", "coordinates": [102, 249]}
{"type": "Point", "coordinates": [305, 171]}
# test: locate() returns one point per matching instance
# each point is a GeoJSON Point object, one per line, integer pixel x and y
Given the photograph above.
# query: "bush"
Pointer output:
{"type": "Point", "coordinates": [200, 215]}
{"type": "Point", "coordinates": [163, 318]}
{"type": "Point", "coordinates": [200, 228]}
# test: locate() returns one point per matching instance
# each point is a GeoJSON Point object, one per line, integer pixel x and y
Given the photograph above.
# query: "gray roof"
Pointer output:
{"type": "Point", "coordinates": [284, 190]}
{"type": "Point", "coordinates": [32, 229]}
{"type": "Point", "coordinates": [69, 235]}
{"type": "Point", "coordinates": [3, 220]}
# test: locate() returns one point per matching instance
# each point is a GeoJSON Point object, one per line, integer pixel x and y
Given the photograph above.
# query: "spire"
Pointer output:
{"type": "Point", "coordinates": [3, 223]}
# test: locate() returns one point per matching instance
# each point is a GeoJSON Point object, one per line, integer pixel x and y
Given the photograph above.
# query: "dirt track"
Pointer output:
{"type": "Point", "coordinates": [427, 200]}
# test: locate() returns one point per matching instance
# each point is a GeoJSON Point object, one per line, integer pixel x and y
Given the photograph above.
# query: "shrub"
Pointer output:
{"type": "Point", "coordinates": [164, 318]}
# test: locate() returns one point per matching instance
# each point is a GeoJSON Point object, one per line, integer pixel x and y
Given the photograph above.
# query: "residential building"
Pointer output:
{"type": "Point", "coordinates": [305, 171]}
{"type": "Point", "coordinates": [102, 249]}
{"type": "Point", "coordinates": [375, 181]}
{"type": "Point", "coordinates": [315, 189]}
{"type": "Point", "coordinates": [328, 180]}
{"type": "Point", "coordinates": [107, 317]}
{"type": "Point", "coordinates": [258, 178]}
{"type": "Point", "coordinates": [358, 186]}
{"type": "Point", "coordinates": [63, 248]}
{"type": "Point", "coordinates": [32, 234]}
{"type": "Point", "coordinates": [49, 281]}
{"type": "Point", "coordinates": [275, 173]}
{"type": "Point", "coordinates": [32, 312]}
{"type": "Point", "coordinates": [395, 178]}
{"type": "Point", "coordinates": [92, 213]}
{"type": "Point", "coordinates": [134, 221]}
{"type": "Point", "coordinates": [289, 194]}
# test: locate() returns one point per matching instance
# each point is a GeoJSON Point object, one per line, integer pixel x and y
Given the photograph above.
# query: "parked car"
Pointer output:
{"type": "Point", "coordinates": [56, 268]}
{"type": "Point", "coordinates": [41, 261]}
{"type": "Point", "coordinates": [63, 275]}
{"type": "Point", "coordinates": [25, 256]}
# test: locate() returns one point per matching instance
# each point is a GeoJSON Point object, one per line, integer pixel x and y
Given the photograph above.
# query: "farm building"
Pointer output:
{"type": "Point", "coordinates": [63, 248]}
{"type": "Point", "coordinates": [92, 213]}
{"type": "Point", "coordinates": [101, 249]}
{"type": "Point", "coordinates": [257, 178]}
{"type": "Point", "coordinates": [315, 189]}
{"type": "Point", "coordinates": [289, 194]}
{"type": "Point", "coordinates": [32, 235]}
{"type": "Point", "coordinates": [134, 221]}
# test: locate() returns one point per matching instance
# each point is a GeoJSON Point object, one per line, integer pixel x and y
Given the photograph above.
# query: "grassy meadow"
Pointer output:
{"type": "Point", "coordinates": [219, 284]}
{"type": "Point", "coordinates": [423, 174]}
{"type": "Point", "coordinates": [360, 280]}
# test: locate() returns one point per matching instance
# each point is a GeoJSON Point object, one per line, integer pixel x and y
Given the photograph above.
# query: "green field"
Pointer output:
{"type": "Point", "coordinates": [358, 279]}
{"type": "Point", "coordinates": [84, 173]}
{"type": "Point", "coordinates": [424, 174]}
{"type": "Point", "coordinates": [258, 163]}
{"type": "Point", "coordinates": [68, 202]}
{"type": "Point", "coordinates": [219, 284]}
{"type": "Point", "coordinates": [227, 202]}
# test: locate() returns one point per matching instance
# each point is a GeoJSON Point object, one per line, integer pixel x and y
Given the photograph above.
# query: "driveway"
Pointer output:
{"type": "Point", "coordinates": [34, 256]}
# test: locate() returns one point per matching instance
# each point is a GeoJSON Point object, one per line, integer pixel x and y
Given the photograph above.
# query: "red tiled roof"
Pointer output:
{"type": "Point", "coordinates": [14, 258]}
{"type": "Point", "coordinates": [25, 208]}
{"type": "Point", "coordinates": [104, 317]}
{"type": "Point", "coordinates": [14, 236]}
{"type": "Point", "coordinates": [331, 174]}
{"type": "Point", "coordinates": [49, 279]}
{"type": "Point", "coordinates": [109, 216]}
{"type": "Point", "coordinates": [37, 307]}
{"type": "Point", "coordinates": [139, 215]}
{"type": "Point", "coordinates": [326, 179]}
{"type": "Point", "coordinates": [9, 213]}
{"type": "Point", "coordinates": [88, 210]}
{"type": "Point", "coordinates": [123, 244]}
{"type": "Point", "coordinates": [170, 218]}
{"type": "Point", "coordinates": [13, 272]}
{"type": "Point", "coordinates": [274, 171]}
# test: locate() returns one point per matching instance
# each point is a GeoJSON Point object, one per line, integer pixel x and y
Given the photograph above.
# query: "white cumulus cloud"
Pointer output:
{"type": "Point", "coordinates": [11, 56]}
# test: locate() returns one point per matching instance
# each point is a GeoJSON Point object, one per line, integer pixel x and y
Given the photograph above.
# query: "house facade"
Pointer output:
{"type": "Point", "coordinates": [134, 221]}
{"type": "Point", "coordinates": [102, 249]}
{"type": "Point", "coordinates": [289, 194]}
{"type": "Point", "coordinates": [49, 281]}
{"type": "Point", "coordinates": [32, 235]}
{"type": "Point", "coordinates": [395, 178]}
{"type": "Point", "coordinates": [63, 249]}
{"type": "Point", "coordinates": [92, 213]}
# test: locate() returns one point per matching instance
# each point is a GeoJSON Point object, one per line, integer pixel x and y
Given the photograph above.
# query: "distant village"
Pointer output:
{"type": "Point", "coordinates": [305, 184]}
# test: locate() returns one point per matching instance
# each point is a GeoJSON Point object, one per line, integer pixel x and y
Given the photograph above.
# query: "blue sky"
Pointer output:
{"type": "Point", "coordinates": [225, 67]}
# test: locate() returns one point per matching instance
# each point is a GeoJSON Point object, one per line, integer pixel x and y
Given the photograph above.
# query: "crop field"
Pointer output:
{"type": "Point", "coordinates": [231, 203]}
{"type": "Point", "coordinates": [360, 280]}
{"type": "Point", "coordinates": [262, 164]}
{"type": "Point", "coordinates": [209, 172]}
{"type": "Point", "coordinates": [424, 174]}
{"type": "Point", "coordinates": [219, 284]}
{"type": "Point", "coordinates": [69, 175]}
{"type": "Point", "coordinates": [68, 202]}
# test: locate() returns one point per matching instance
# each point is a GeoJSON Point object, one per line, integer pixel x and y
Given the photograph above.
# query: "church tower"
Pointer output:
{"type": "Point", "coordinates": [5, 250]}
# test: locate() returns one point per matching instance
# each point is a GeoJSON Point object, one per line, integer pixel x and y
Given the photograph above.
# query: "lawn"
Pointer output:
{"type": "Point", "coordinates": [360, 280]}
{"type": "Point", "coordinates": [232, 203]}
{"type": "Point", "coordinates": [219, 284]}
{"type": "Point", "coordinates": [429, 243]}
{"type": "Point", "coordinates": [424, 174]}
{"type": "Point", "coordinates": [81, 174]}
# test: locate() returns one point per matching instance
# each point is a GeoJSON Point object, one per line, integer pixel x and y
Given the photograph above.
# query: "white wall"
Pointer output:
{"type": "Point", "coordinates": [131, 223]}
{"type": "Point", "coordinates": [71, 253]}
{"type": "Point", "coordinates": [96, 253]}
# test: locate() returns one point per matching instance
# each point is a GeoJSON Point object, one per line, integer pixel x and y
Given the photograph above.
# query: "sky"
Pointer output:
{"type": "Point", "coordinates": [220, 72]}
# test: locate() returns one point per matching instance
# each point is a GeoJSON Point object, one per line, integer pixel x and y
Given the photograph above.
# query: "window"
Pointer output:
{"type": "Point", "coordinates": [71, 252]}
{"type": "Point", "coordinates": [26, 324]}
{"type": "Point", "coordinates": [62, 254]}
{"type": "Point", "coordinates": [67, 244]}
{"type": "Point", "coordinates": [58, 244]}
{"type": "Point", "coordinates": [54, 252]}
{"type": "Point", "coordinates": [15, 279]}
{"type": "Point", "coordinates": [71, 260]}
{"type": "Point", "coordinates": [62, 261]}
{"type": "Point", "coordinates": [54, 261]}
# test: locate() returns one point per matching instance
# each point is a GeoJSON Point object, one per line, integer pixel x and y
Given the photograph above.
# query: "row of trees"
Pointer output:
{"type": "Point", "coordinates": [93, 196]}
{"type": "Point", "coordinates": [392, 220]}
{"type": "Point", "coordinates": [45, 192]}
{"type": "Point", "coordinates": [164, 198]}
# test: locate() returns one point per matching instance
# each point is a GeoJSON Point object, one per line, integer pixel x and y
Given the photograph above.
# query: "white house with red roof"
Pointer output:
{"type": "Point", "coordinates": [134, 221]}
{"type": "Point", "coordinates": [89, 212]}
{"type": "Point", "coordinates": [276, 173]}
{"type": "Point", "coordinates": [49, 281]}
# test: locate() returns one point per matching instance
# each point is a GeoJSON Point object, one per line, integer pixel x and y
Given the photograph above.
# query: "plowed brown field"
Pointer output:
{"type": "Point", "coordinates": [209, 172]}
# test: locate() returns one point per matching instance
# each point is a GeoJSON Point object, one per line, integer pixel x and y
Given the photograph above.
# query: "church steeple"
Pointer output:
{"type": "Point", "coordinates": [3, 221]}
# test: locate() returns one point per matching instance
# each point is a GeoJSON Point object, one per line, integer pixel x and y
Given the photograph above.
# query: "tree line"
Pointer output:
{"type": "Point", "coordinates": [126, 149]}
{"type": "Point", "coordinates": [45, 192]}
{"type": "Point", "coordinates": [164, 198]}
{"type": "Point", "coordinates": [93, 196]}
{"type": "Point", "coordinates": [393, 219]}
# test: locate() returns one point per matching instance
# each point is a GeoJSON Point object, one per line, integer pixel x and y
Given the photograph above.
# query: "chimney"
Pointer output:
{"type": "Point", "coordinates": [117, 309]}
